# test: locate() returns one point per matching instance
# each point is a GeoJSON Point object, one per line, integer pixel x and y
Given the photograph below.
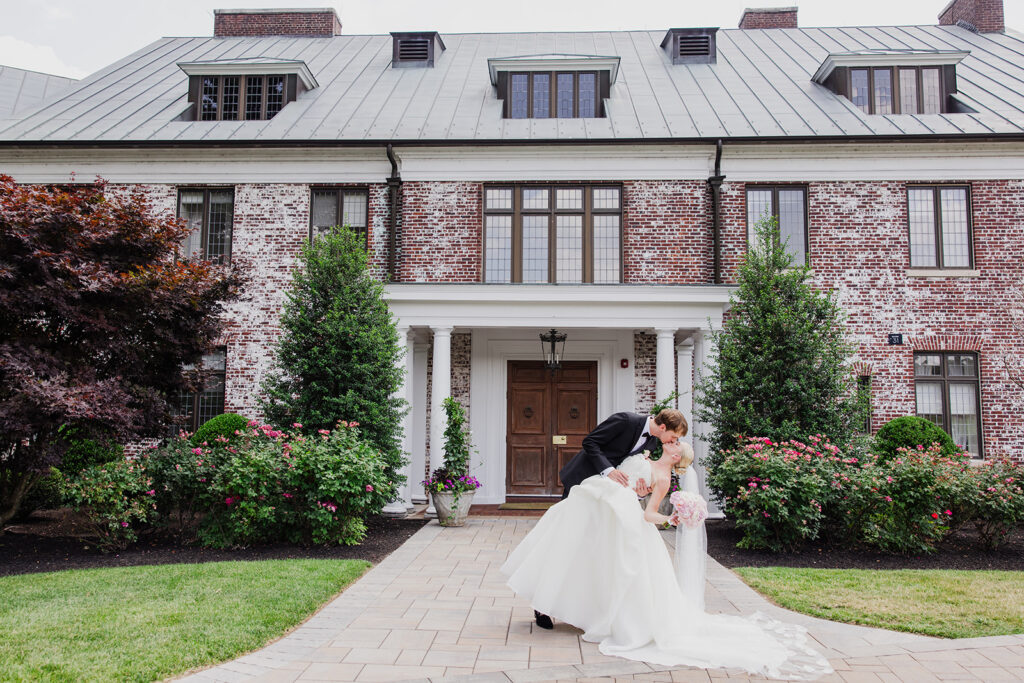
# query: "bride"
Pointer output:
{"type": "Point", "coordinates": [597, 561]}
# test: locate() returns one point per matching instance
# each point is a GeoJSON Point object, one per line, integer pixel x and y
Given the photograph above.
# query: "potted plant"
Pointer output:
{"type": "Point", "coordinates": [450, 486]}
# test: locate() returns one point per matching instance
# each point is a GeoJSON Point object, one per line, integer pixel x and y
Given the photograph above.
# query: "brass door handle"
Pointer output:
{"type": "Point", "coordinates": [558, 440]}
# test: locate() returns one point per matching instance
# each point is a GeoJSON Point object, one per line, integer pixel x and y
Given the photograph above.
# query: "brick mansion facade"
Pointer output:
{"type": "Point", "coordinates": [603, 184]}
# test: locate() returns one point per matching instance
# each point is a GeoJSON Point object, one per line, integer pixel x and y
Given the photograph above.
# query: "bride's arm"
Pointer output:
{"type": "Point", "coordinates": [651, 513]}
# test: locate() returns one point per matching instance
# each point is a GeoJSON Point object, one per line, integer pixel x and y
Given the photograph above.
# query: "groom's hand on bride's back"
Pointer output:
{"type": "Point", "coordinates": [619, 477]}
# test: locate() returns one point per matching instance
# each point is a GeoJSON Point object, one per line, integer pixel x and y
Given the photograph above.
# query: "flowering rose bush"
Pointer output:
{"type": "Point", "coordinates": [903, 504]}
{"type": "Point", "coordinates": [992, 498]}
{"type": "Point", "coordinates": [785, 494]}
{"type": "Point", "coordinates": [776, 491]}
{"type": "Point", "coordinates": [117, 499]}
{"type": "Point", "coordinates": [268, 485]}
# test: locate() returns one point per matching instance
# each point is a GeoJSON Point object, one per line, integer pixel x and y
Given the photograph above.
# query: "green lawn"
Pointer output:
{"type": "Point", "coordinates": [948, 604]}
{"type": "Point", "coordinates": [147, 623]}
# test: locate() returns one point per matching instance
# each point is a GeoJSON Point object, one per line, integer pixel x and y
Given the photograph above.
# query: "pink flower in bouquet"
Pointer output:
{"type": "Point", "coordinates": [690, 509]}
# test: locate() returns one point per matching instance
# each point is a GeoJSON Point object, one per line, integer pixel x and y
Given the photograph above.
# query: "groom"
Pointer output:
{"type": "Point", "coordinates": [611, 442]}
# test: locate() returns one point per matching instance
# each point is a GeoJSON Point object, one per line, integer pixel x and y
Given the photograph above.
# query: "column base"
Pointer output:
{"type": "Point", "coordinates": [395, 509]}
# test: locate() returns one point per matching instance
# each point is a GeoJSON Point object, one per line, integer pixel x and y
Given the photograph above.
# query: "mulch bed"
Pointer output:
{"type": "Point", "coordinates": [52, 540]}
{"type": "Point", "coordinates": [956, 552]}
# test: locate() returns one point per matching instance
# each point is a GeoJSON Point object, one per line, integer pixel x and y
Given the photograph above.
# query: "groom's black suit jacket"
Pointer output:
{"type": "Point", "coordinates": [607, 446]}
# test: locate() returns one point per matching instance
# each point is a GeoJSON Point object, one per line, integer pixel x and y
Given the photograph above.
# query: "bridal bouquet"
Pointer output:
{"type": "Point", "coordinates": [690, 509]}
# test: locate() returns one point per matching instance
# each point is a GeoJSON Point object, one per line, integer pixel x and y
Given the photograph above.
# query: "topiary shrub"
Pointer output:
{"type": "Point", "coordinates": [224, 425]}
{"type": "Point", "coordinates": [911, 432]}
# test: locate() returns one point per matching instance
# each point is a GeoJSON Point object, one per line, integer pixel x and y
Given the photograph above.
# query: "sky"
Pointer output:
{"type": "Point", "coordinates": [75, 37]}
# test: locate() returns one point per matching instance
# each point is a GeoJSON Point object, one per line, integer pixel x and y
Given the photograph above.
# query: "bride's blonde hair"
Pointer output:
{"type": "Point", "coordinates": [685, 459]}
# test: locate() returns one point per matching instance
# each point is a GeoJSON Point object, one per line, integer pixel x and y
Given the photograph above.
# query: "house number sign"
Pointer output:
{"type": "Point", "coordinates": [895, 340]}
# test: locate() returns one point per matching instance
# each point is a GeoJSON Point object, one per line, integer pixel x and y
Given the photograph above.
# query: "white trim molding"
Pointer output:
{"type": "Point", "coordinates": [254, 66]}
{"type": "Point", "coordinates": [940, 272]}
{"type": "Point", "coordinates": [561, 306]}
{"type": "Point", "coordinates": [554, 62]}
{"type": "Point", "coordinates": [865, 58]}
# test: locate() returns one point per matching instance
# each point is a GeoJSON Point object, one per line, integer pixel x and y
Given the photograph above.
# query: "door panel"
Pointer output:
{"type": "Point", "coordinates": [540, 407]}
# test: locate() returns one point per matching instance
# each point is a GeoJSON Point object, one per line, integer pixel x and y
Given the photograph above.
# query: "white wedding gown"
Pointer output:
{"type": "Point", "coordinates": [593, 562]}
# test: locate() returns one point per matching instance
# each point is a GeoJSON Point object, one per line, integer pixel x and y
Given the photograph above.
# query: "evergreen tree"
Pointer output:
{"type": "Point", "coordinates": [781, 352]}
{"type": "Point", "coordinates": [337, 358]}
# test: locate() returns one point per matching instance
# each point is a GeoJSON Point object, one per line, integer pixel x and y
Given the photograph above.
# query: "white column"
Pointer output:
{"type": "Point", "coordinates": [684, 382]}
{"type": "Point", "coordinates": [408, 393]}
{"type": "Point", "coordinates": [418, 449]}
{"type": "Point", "coordinates": [703, 363]}
{"type": "Point", "coordinates": [440, 388]}
{"type": "Point", "coordinates": [665, 377]}
{"type": "Point", "coordinates": [401, 504]}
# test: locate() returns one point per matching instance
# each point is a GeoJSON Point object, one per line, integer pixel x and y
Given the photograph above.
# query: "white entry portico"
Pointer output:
{"type": "Point", "coordinates": [504, 322]}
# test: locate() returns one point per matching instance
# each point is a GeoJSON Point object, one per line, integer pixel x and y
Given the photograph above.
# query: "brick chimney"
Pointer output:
{"type": "Point", "coordinates": [321, 21]}
{"type": "Point", "coordinates": [769, 17]}
{"type": "Point", "coordinates": [985, 16]}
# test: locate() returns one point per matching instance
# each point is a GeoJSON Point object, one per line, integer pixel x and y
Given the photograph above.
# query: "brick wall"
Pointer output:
{"type": "Point", "coordinates": [666, 234]}
{"type": "Point", "coordinates": [985, 15]}
{"type": "Point", "coordinates": [322, 22]}
{"type": "Point", "coordinates": [645, 349]}
{"type": "Point", "coordinates": [859, 249]}
{"type": "Point", "coordinates": [769, 17]}
{"type": "Point", "coordinates": [441, 232]}
{"type": "Point", "coordinates": [858, 246]}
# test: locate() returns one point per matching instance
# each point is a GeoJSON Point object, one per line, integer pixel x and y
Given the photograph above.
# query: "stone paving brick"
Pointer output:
{"type": "Point", "coordinates": [410, 657]}
{"type": "Point", "coordinates": [331, 672]}
{"type": "Point", "coordinates": [555, 655]}
{"type": "Point", "coordinates": [389, 672]}
{"type": "Point", "coordinates": [500, 665]}
{"type": "Point", "coordinates": [408, 639]}
{"type": "Point", "coordinates": [367, 655]}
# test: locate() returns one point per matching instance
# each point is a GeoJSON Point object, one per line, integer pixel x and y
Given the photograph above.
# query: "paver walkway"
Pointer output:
{"type": "Point", "coordinates": [438, 609]}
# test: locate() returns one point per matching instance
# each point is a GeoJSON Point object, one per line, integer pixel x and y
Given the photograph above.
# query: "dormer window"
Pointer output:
{"type": "Point", "coordinates": [902, 82]}
{"type": "Point", "coordinates": [244, 89]}
{"type": "Point", "coordinates": [553, 86]}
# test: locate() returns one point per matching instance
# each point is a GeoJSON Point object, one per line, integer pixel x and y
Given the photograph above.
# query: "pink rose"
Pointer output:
{"type": "Point", "coordinates": [369, 488]}
{"type": "Point", "coordinates": [124, 524]}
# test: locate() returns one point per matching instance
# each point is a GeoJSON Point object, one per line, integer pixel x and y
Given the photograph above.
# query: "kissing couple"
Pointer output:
{"type": "Point", "coordinates": [597, 561]}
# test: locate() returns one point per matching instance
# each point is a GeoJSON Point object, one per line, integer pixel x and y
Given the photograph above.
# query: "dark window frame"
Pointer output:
{"type": "Point", "coordinates": [864, 393]}
{"type": "Point", "coordinates": [894, 75]}
{"type": "Point", "coordinates": [937, 222]}
{"type": "Point", "coordinates": [775, 188]}
{"type": "Point", "coordinates": [945, 380]}
{"type": "Point", "coordinates": [291, 87]}
{"type": "Point", "coordinates": [587, 212]}
{"type": "Point", "coordinates": [341, 191]}
{"type": "Point", "coordinates": [205, 228]}
{"type": "Point", "coordinates": [192, 398]}
{"type": "Point", "coordinates": [553, 93]}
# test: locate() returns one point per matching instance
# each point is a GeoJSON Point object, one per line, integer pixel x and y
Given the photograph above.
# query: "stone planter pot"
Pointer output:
{"type": "Point", "coordinates": [449, 511]}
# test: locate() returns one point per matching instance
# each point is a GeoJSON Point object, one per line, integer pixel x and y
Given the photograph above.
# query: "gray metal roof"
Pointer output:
{"type": "Point", "coordinates": [21, 90]}
{"type": "Point", "coordinates": [760, 87]}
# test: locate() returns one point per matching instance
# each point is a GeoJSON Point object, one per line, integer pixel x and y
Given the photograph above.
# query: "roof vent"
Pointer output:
{"type": "Point", "coordinates": [690, 45]}
{"type": "Point", "coordinates": [967, 25]}
{"type": "Point", "coordinates": [418, 49]}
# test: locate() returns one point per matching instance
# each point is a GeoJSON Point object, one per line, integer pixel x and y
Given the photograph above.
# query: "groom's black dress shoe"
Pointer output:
{"type": "Point", "coordinates": [543, 620]}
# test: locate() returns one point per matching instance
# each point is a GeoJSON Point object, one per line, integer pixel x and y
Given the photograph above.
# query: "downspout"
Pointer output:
{"type": "Point", "coordinates": [394, 183]}
{"type": "Point", "coordinates": [715, 182]}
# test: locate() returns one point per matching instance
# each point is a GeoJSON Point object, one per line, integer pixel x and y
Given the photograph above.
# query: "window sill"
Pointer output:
{"type": "Point", "coordinates": [943, 272]}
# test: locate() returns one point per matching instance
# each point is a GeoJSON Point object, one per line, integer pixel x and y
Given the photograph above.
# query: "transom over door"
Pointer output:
{"type": "Point", "coordinates": [548, 416]}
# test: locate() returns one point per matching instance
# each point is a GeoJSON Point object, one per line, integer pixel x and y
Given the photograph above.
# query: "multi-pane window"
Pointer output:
{"type": "Point", "coordinates": [200, 406]}
{"type": "Point", "coordinates": [899, 90]}
{"type": "Point", "coordinates": [788, 205]}
{"type": "Point", "coordinates": [553, 94]}
{"type": "Point", "coordinates": [947, 387]}
{"type": "Point", "coordinates": [331, 206]}
{"type": "Point", "coordinates": [563, 234]}
{"type": "Point", "coordinates": [864, 402]}
{"type": "Point", "coordinates": [209, 212]}
{"type": "Point", "coordinates": [940, 227]}
{"type": "Point", "coordinates": [233, 98]}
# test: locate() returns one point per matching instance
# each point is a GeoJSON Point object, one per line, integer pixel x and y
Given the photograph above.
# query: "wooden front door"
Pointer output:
{"type": "Point", "coordinates": [548, 416]}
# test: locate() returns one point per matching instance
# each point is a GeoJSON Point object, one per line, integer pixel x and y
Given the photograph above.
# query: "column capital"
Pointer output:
{"type": "Point", "coordinates": [685, 346]}
{"type": "Point", "coordinates": [441, 330]}
{"type": "Point", "coordinates": [663, 332]}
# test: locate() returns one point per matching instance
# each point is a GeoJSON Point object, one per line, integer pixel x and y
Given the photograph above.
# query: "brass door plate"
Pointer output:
{"type": "Point", "coordinates": [558, 439]}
